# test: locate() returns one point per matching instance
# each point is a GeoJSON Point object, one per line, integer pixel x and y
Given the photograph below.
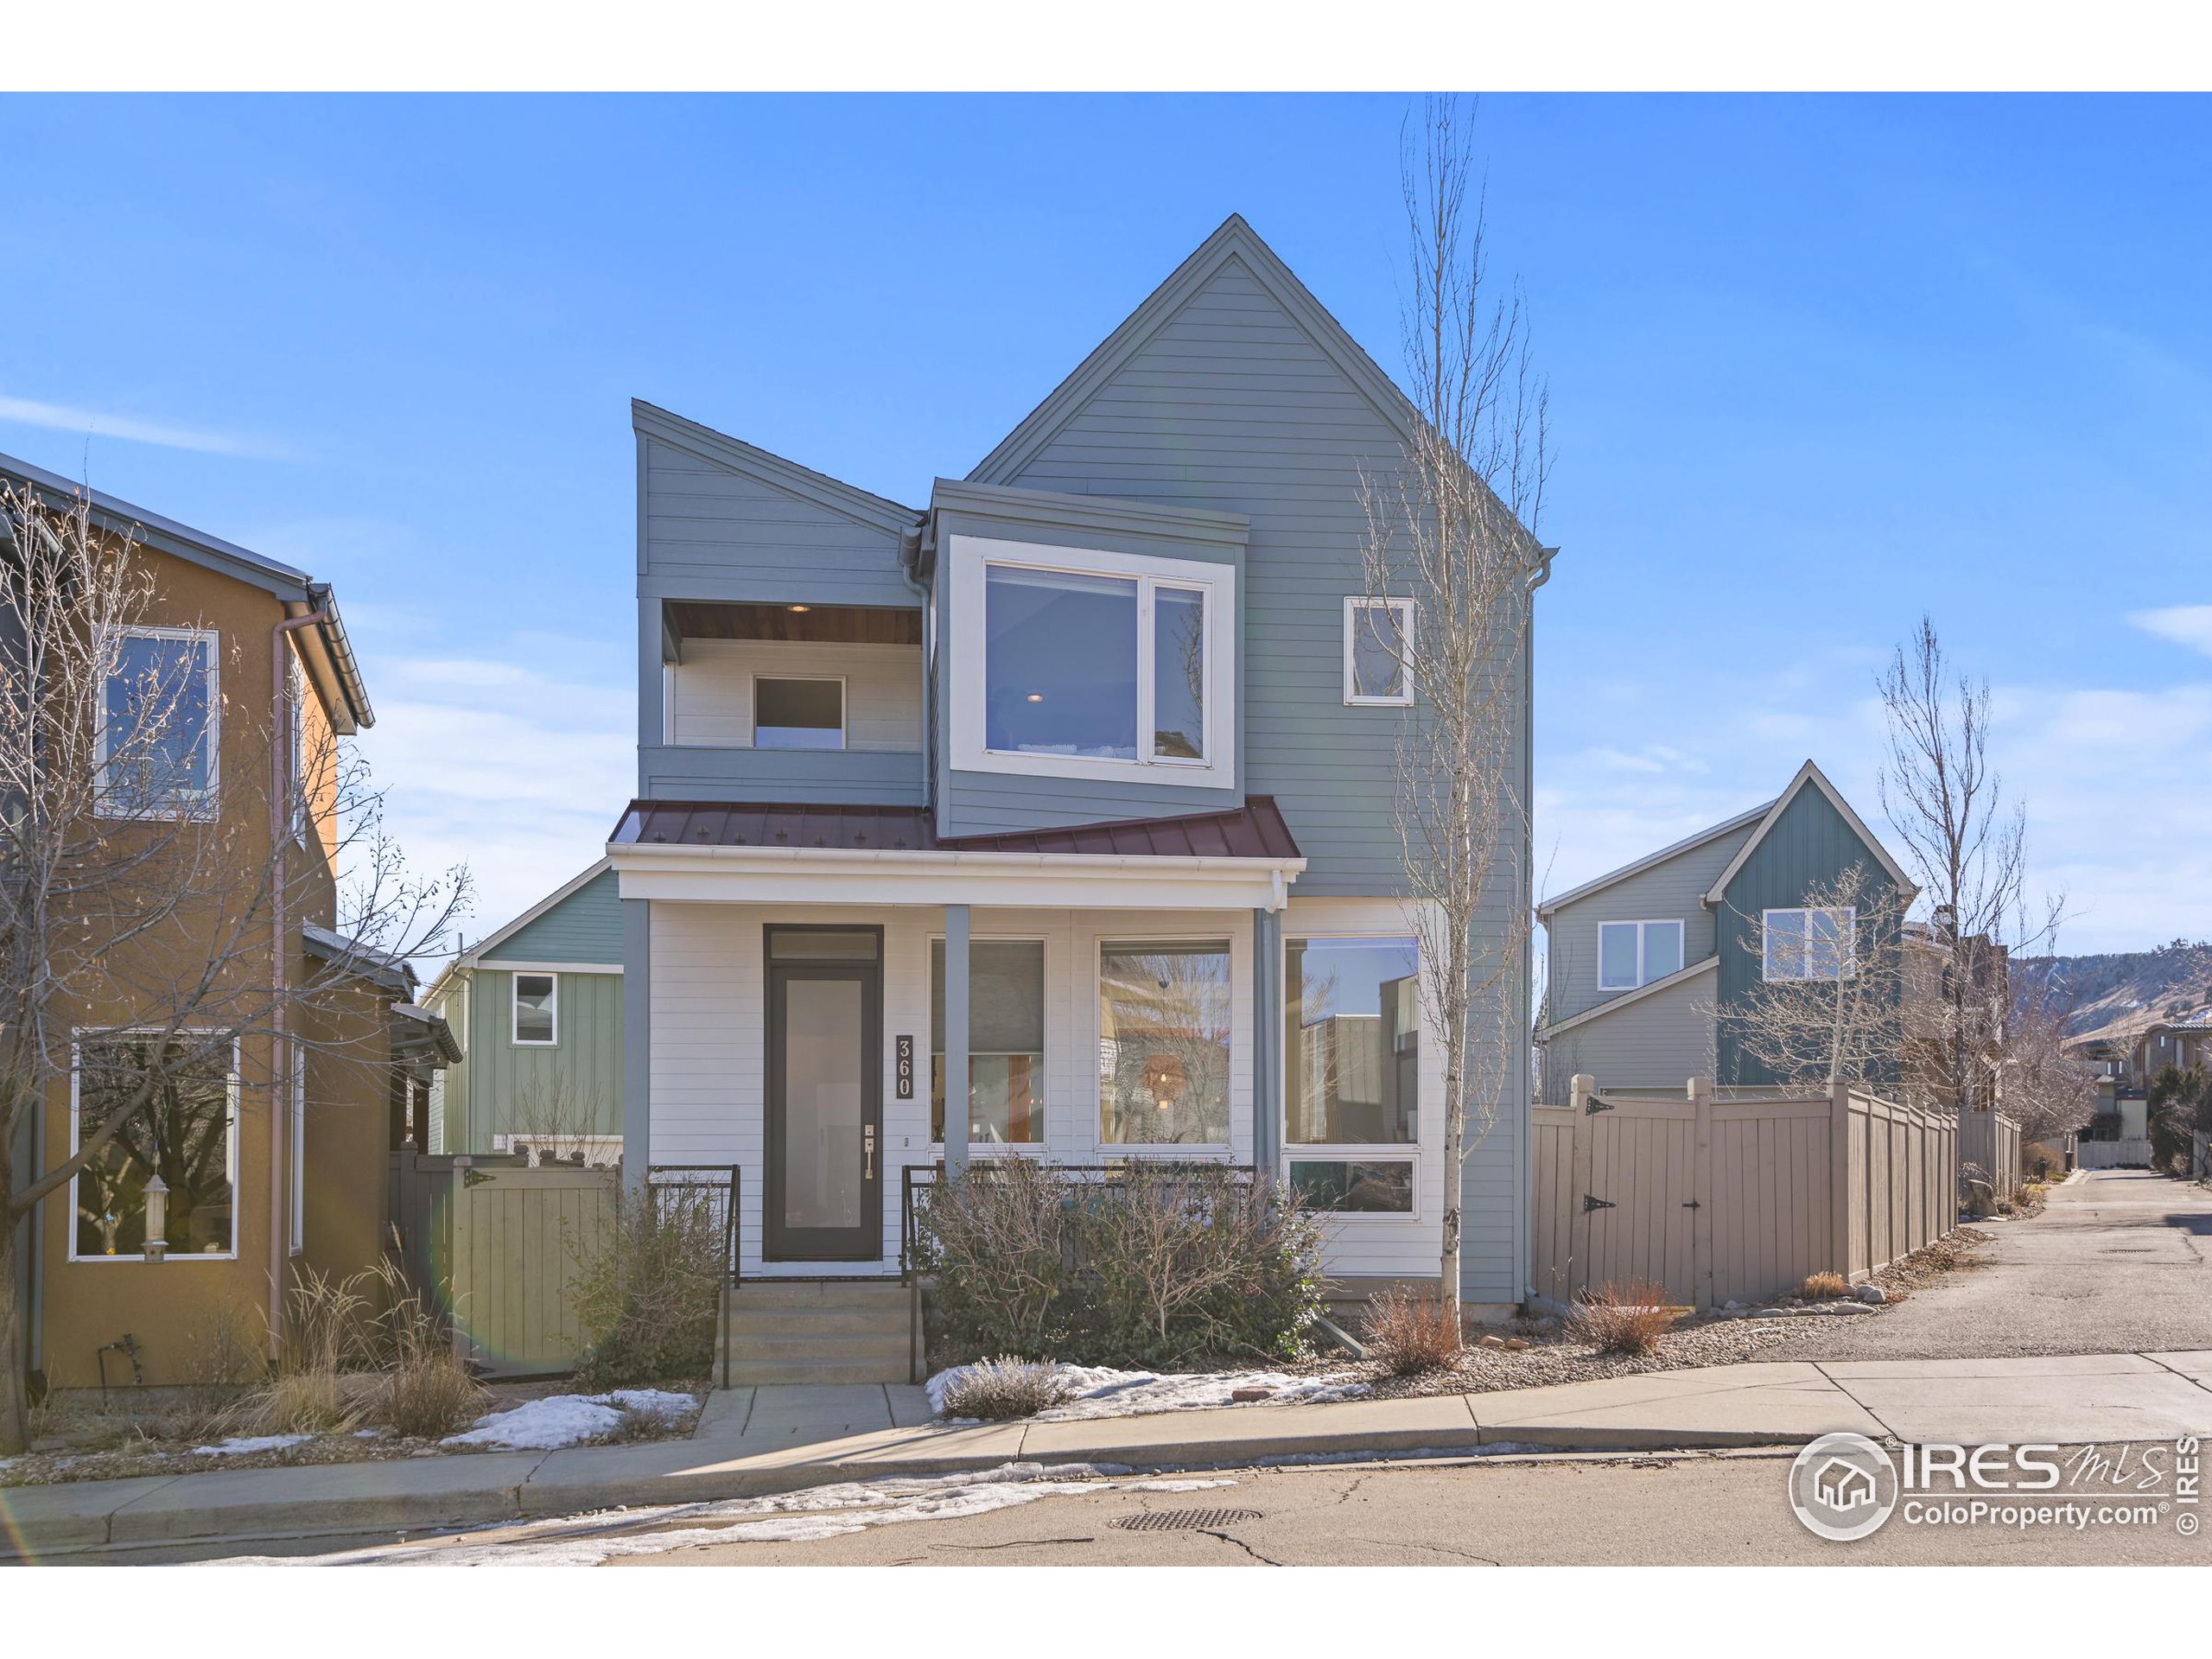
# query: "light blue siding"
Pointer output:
{"type": "Point", "coordinates": [585, 927]}
{"type": "Point", "coordinates": [1658, 1041]}
{"type": "Point", "coordinates": [1672, 890]}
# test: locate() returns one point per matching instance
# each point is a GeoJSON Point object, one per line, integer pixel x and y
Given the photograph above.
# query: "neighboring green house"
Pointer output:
{"type": "Point", "coordinates": [537, 1006]}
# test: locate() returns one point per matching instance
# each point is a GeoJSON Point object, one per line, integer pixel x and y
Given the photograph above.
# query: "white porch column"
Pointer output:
{"type": "Point", "coordinates": [956, 1040]}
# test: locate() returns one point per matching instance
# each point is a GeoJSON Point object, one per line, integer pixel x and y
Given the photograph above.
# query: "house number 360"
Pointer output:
{"type": "Point", "coordinates": [905, 1068]}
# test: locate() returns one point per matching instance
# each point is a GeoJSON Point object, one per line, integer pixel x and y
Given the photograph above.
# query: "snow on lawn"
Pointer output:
{"type": "Point", "coordinates": [243, 1443]}
{"type": "Point", "coordinates": [1099, 1391]}
{"type": "Point", "coordinates": [782, 1517]}
{"type": "Point", "coordinates": [562, 1420]}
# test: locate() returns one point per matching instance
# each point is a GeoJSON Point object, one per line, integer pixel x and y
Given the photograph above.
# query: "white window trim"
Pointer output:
{"type": "Point", "coordinates": [1342, 1152]}
{"type": "Point", "coordinates": [1849, 912]}
{"type": "Point", "coordinates": [297, 1130]}
{"type": "Point", "coordinates": [1190, 1149]}
{"type": "Point", "coordinates": [992, 1148]}
{"type": "Point", "coordinates": [94, 1033]}
{"type": "Point", "coordinates": [967, 561]}
{"type": "Point", "coordinates": [844, 710]}
{"type": "Point", "coordinates": [205, 805]}
{"type": "Point", "coordinates": [515, 1039]}
{"type": "Point", "coordinates": [1401, 1153]}
{"type": "Point", "coordinates": [1639, 923]}
{"type": "Point", "coordinates": [1404, 698]}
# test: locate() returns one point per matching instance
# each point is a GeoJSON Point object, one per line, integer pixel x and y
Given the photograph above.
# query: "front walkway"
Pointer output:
{"type": "Point", "coordinates": [752, 1441]}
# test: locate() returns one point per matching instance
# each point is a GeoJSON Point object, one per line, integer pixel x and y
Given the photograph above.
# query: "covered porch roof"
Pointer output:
{"type": "Point", "coordinates": [803, 852]}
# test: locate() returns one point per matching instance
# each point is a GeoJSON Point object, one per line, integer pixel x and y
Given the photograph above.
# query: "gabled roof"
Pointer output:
{"type": "Point", "coordinates": [329, 659]}
{"type": "Point", "coordinates": [499, 936]}
{"type": "Point", "coordinates": [1235, 241]}
{"type": "Point", "coordinates": [1680, 976]}
{"type": "Point", "coordinates": [1544, 911]}
{"type": "Point", "coordinates": [750, 461]}
{"type": "Point", "coordinates": [1811, 774]}
{"type": "Point", "coordinates": [1255, 830]}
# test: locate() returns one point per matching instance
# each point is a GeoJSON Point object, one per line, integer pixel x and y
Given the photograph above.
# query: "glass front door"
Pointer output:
{"type": "Point", "coordinates": [825, 1197]}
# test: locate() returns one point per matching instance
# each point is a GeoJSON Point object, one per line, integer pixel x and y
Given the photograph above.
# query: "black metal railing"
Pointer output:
{"type": "Point", "coordinates": [918, 1180]}
{"type": "Point", "coordinates": [724, 1185]}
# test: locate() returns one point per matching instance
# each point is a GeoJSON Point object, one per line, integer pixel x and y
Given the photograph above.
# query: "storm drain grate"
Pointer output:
{"type": "Point", "coordinates": [1183, 1520]}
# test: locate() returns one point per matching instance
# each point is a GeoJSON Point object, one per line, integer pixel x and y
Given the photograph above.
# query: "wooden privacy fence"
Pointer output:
{"type": "Point", "coordinates": [2113, 1155]}
{"type": "Point", "coordinates": [519, 1236]}
{"type": "Point", "coordinates": [1990, 1141]}
{"type": "Point", "coordinates": [1734, 1200]}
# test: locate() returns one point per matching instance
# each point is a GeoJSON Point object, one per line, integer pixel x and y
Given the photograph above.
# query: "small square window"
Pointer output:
{"type": "Point", "coordinates": [537, 1010]}
{"type": "Point", "coordinates": [1378, 633]}
{"type": "Point", "coordinates": [798, 713]}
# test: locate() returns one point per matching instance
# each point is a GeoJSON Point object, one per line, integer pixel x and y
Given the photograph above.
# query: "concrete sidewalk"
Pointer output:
{"type": "Point", "coordinates": [751, 1441]}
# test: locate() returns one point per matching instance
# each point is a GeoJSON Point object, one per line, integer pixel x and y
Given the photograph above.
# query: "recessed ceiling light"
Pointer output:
{"type": "Point", "coordinates": [1036, 697]}
{"type": "Point", "coordinates": [801, 608]}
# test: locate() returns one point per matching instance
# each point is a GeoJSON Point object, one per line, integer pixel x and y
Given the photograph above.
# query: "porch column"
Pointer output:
{"type": "Point", "coordinates": [1267, 1039]}
{"type": "Point", "coordinates": [636, 1040]}
{"type": "Point", "coordinates": [956, 1040]}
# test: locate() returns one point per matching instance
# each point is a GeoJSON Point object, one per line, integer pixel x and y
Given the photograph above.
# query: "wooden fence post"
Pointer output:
{"type": "Point", "coordinates": [1840, 1176]}
{"type": "Point", "coordinates": [1578, 1260]}
{"type": "Point", "coordinates": [457, 1260]}
{"type": "Point", "coordinates": [1701, 1194]}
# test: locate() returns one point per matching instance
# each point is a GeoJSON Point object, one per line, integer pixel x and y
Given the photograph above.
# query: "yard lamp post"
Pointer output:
{"type": "Point", "coordinates": [157, 1218]}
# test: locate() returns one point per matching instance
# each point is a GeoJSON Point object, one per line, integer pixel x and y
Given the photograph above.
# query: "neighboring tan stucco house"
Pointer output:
{"type": "Point", "coordinates": [537, 1007]}
{"type": "Point", "coordinates": [1079, 755]}
{"type": "Point", "coordinates": [1643, 962]}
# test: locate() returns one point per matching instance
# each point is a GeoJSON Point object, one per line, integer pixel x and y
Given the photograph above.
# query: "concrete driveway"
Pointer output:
{"type": "Point", "coordinates": [2119, 1261]}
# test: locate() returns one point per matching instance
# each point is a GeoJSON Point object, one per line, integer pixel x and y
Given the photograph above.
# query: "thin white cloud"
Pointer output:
{"type": "Point", "coordinates": [2185, 625]}
{"type": "Point", "coordinates": [166, 435]}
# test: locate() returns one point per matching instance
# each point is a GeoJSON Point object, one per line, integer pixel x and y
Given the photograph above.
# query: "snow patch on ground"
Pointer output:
{"type": "Point", "coordinates": [242, 1443]}
{"type": "Point", "coordinates": [782, 1517]}
{"type": "Point", "coordinates": [1099, 1391]}
{"type": "Point", "coordinates": [562, 1420]}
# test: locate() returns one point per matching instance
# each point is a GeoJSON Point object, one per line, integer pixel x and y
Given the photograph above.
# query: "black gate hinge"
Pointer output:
{"type": "Point", "coordinates": [1589, 1204]}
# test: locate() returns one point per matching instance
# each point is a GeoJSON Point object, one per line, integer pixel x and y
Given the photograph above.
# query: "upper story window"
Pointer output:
{"type": "Point", "coordinates": [1088, 664]}
{"type": "Point", "coordinates": [798, 714]}
{"type": "Point", "coordinates": [158, 729]}
{"type": "Point", "coordinates": [1814, 943]}
{"type": "Point", "coordinates": [537, 1010]}
{"type": "Point", "coordinates": [1375, 632]}
{"type": "Point", "coordinates": [1630, 954]}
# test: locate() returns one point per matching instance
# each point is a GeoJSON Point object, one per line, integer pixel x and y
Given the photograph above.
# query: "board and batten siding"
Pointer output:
{"type": "Point", "coordinates": [1810, 843]}
{"type": "Point", "coordinates": [713, 688]}
{"type": "Point", "coordinates": [1673, 890]}
{"type": "Point", "coordinates": [491, 1090]}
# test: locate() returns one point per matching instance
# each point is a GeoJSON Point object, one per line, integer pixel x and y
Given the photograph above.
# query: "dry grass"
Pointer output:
{"type": "Point", "coordinates": [1823, 1287]}
{"type": "Point", "coordinates": [1625, 1317]}
{"type": "Point", "coordinates": [998, 1390]}
{"type": "Point", "coordinates": [1410, 1332]}
{"type": "Point", "coordinates": [425, 1390]}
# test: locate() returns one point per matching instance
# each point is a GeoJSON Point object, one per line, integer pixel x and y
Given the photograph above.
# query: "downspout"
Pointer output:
{"type": "Point", "coordinates": [280, 1055]}
{"type": "Point", "coordinates": [1537, 577]}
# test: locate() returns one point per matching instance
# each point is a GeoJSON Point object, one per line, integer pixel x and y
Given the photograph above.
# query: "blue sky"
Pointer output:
{"type": "Point", "coordinates": [1816, 365]}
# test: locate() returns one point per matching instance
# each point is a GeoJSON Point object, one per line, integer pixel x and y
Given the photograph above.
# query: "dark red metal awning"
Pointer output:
{"type": "Point", "coordinates": [1255, 830]}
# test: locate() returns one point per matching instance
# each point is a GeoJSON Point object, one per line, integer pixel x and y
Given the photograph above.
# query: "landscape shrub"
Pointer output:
{"type": "Point", "coordinates": [324, 1337]}
{"type": "Point", "coordinates": [1824, 1287]}
{"type": "Point", "coordinates": [421, 1389]}
{"type": "Point", "coordinates": [1000, 1390]}
{"type": "Point", "coordinates": [1408, 1331]}
{"type": "Point", "coordinates": [649, 1296]}
{"type": "Point", "coordinates": [1623, 1316]}
{"type": "Point", "coordinates": [1160, 1265]}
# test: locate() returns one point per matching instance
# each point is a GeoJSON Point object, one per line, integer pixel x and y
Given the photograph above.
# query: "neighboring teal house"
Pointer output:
{"type": "Point", "coordinates": [537, 1006]}
{"type": "Point", "coordinates": [1644, 961]}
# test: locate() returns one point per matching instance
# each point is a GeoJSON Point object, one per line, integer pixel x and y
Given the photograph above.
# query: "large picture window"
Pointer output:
{"type": "Point", "coordinates": [1163, 1044]}
{"type": "Point", "coordinates": [158, 728]}
{"type": "Point", "coordinates": [187, 1132]}
{"type": "Point", "coordinates": [1630, 954]}
{"type": "Point", "coordinates": [1353, 1049]}
{"type": "Point", "coordinates": [1811, 943]}
{"type": "Point", "coordinates": [1006, 1042]}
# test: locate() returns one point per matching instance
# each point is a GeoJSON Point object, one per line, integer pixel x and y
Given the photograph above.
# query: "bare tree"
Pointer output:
{"type": "Point", "coordinates": [1833, 1004]}
{"type": "Point", "coordinates": [1451, 527]}
{"type": "Point", "coordinates": [147, 867]}
{"type": "Point", "coordinates": [556, 1120]}
{"type": "Point", "coordinates": [2049, 1091]}
{"type": "Point", "coordinates": [1968, 850]}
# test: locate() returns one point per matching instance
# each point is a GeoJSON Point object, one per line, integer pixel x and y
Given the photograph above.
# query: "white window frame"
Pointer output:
{"type": "Point", "coordinates": [1403, 697]}
{"type": "Point", "coordinates": [298, 1129]}
{"type": "Point", "coordinates": [1850, 934]}
{"type": "Point", "coordinates": [968, 561]}
{"type": "Point", "coordinates": [844, 710]}
{"type": "Point", "coordinates": [1640, 924]}
{"type": "Point", "coordinates": [1192, 1150]}
{"type": "Point", "coordinates": [1347, 1151]}
{"type": "Point", "coordinates": [992, 1148]}
{"type": "Point", "coordinates": [78, 1038]}
{"type": "Point", "coordinates": [515, 1037]}
{"type": "Point", "coordinates": [205, 805]}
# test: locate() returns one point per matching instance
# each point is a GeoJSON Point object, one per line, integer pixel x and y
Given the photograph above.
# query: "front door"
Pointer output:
{"type": "Point", "coordinates": [824, 1191]}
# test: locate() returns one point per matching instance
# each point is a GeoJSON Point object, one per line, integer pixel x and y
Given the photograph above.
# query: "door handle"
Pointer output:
{"type": "Point", "coordinates": [867, 1149]}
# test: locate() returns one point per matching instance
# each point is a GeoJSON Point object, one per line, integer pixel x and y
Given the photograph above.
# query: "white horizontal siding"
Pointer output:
{"type": "Point", "coordinates": [713, 690]}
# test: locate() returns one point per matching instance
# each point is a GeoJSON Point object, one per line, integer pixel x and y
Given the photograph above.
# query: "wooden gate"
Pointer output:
{"type": "Point", "coordinates": [520, 1238]}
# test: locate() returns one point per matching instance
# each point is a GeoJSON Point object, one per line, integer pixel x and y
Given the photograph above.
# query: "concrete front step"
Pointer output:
{"type": "Point", "coordinates": [817, 1330]}
{"type": "Point", "coordinates": [820, 1293]}
{"type": "Point", "coordinates": [825, 1321]}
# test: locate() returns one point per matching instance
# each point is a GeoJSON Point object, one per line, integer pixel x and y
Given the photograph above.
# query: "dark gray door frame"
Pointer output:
{"type": "Point", "coordinates": [863, 1242]}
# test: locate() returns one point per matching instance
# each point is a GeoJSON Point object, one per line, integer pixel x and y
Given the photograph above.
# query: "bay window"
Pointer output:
{"type": "Point", "coordinates": [1352, 1072]}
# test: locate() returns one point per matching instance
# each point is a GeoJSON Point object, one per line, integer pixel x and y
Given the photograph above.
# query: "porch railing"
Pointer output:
{"type": "Point", "coordinates": [724, 1184]}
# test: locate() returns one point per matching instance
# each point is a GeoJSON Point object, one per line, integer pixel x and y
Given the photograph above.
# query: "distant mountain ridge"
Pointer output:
{"type": "Point", "coordinates": [2123, 988]}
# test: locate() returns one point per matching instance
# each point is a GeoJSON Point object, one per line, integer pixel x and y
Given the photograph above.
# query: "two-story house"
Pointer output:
{"type": "Point", "coordinates": [1644, 962]}
{"type": "Point", "coordinates": [268, 1136]}
{"type": "Point", "coordinates": [1064, 799]}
